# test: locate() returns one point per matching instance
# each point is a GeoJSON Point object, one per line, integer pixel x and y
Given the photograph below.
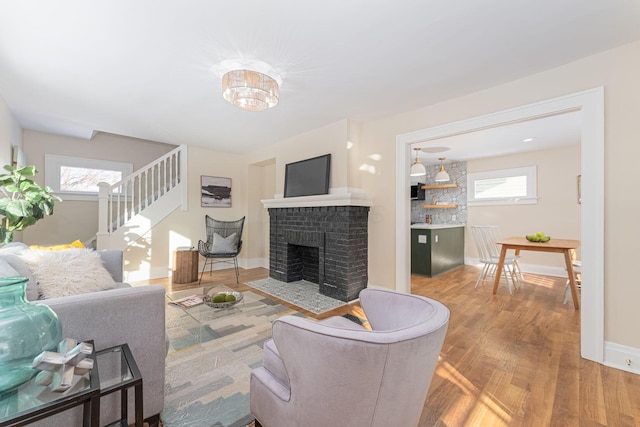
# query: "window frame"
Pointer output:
{"type": "Point", "coordinates": [53, 163]}
{"type": "Point", "coordinates": [532, 189]}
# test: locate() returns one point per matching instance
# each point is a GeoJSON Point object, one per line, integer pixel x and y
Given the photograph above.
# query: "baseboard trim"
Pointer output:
{"type": "Point", "coordinates": [543, 270]}
{"type": "Point", "coordinates": [622, 357]}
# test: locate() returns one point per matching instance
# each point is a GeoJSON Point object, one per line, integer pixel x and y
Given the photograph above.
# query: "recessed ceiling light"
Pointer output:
{"type": "Point", "coordinates": [527, 140]}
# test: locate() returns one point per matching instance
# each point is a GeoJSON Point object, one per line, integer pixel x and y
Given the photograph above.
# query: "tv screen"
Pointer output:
{"type": "Point", "coordinates": [307, 177]}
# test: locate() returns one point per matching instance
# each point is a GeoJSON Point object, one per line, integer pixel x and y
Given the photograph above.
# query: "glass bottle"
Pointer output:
{"type": "Point", "coordinates": [26, 330]}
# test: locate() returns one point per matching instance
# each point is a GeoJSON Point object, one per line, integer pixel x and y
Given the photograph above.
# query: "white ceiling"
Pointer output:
{"type": "Point", "coordinates": [151, 68]}
{"type": "Point", "coordinates": [549, 132]}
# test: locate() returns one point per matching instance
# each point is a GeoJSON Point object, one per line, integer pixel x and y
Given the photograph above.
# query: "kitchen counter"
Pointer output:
{"type": "Point", "coordinates": [424, 226]}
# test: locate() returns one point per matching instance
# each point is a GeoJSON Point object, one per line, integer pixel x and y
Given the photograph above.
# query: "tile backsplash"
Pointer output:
{"type": "Point", "coordinates": [456, 196]}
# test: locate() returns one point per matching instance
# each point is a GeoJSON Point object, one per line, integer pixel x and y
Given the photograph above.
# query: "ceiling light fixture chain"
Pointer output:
{"type": "Point", "coordinates": [417, 168]}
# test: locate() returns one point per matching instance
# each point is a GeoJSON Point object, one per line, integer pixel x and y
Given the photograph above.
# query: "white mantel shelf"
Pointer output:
{"type": "Point", "coordinates": [338, 199]}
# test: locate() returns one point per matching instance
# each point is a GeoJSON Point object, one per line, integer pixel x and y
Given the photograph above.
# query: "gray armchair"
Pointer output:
{"type": "Point", "coordinates": [336, 373]}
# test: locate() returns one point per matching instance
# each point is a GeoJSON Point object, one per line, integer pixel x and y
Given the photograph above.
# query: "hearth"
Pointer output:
{"type": "Point", "coordinates": [327, 245]}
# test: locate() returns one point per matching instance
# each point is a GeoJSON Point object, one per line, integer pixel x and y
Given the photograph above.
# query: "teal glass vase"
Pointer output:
{"type": "Point", "coordinates": [26, 330]}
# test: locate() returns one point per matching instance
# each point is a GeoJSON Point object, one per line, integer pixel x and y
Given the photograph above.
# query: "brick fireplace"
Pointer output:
{"type": "Point", "coordinates": [327, 245]}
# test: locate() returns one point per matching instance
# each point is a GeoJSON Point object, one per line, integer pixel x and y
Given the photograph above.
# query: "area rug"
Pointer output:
{"type": "Point", "coordinates": [302, 293]}
{"type": "Point", "coordinates": [209, 362]}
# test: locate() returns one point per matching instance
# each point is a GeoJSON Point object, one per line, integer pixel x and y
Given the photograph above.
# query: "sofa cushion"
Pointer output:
{"type": "Point", "coordinates": [68, 272]}
{"type": "Point", "coordinates": [6, 270]}
{"type": "Point", "coordinates": [10, 253]}
{"type": "Point", "coordinates": [75, 244]}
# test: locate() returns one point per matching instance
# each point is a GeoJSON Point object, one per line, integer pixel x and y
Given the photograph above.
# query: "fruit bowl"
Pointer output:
{"type": "Point", "coordinates": [223, 299]}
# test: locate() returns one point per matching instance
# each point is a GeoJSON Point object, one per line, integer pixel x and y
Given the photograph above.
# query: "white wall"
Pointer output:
{"type": "Point", "coordinates": [10, 133]}
{"type": "Point", "coordinates": [79, 219]}
{"type": "Point", "coordinates": [617, 71]}
{"type": "Point", "coordinates": [556, 214]}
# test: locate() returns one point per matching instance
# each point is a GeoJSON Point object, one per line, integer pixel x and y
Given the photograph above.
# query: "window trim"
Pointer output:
{"type": "Point", "coordinates": [532, 190]}
{"type": "Point", "coordinates": [53, 163]}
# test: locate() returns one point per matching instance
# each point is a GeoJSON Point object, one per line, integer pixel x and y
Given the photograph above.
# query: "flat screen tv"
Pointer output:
{"type": "Point", "coordinates": [307, 177]}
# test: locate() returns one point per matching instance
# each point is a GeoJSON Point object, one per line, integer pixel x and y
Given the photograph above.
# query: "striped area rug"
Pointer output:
{"type": "Point", "coordinates": [209, 362]}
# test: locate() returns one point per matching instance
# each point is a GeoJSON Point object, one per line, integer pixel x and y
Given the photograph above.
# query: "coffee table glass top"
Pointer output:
{"type": "Point", "coordinates": [195, 320]}
{"type": "Point", "coordinates": [203, 324]}
{"type": "Point", "coordinates": [203, 312]}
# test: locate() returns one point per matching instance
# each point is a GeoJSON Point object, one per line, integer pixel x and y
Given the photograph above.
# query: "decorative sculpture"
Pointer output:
{"type": "Point", "coordinates": [59, 368]}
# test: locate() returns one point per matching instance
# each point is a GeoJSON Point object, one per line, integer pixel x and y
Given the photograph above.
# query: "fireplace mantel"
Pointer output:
{"type": "Point", "coordinates": [350, 198]}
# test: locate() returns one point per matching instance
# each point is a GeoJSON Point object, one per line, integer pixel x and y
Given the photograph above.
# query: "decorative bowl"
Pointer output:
{"type": "Point", "coordinates": [537, 239]}
{"type": "Point", "coordinates": [208, 299]}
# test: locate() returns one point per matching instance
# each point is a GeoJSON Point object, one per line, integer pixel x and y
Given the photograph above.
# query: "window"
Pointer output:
{"type": "Point", "coordinates": [77, 178]}
{"type": "Point", "coordinates": [502, 187]}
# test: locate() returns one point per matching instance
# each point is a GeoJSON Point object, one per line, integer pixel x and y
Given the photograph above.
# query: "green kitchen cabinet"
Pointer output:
{"type": "Point", "coordinates": [436, 250]}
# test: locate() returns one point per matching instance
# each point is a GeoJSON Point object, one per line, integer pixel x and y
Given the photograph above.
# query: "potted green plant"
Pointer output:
{"type": "Point", "coordinates": [24, 202]}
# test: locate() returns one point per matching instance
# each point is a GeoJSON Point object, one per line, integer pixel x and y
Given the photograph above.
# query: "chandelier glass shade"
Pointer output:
{"type": "Point", "coordinates": [417, 168]}
{"type": "Point", "coordinates": [442, 175]}
{"type": "Point", "coordinates": [250, 90]}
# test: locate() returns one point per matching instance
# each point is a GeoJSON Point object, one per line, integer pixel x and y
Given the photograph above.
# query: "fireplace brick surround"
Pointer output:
{"type": "Point", "coordinates": [327, 245]}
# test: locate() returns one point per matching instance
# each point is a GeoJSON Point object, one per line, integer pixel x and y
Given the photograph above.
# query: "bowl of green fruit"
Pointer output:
{"type": "Point", "coordinates": [223, 299]}
{"type": "Point", "coordinates": [539, 237]}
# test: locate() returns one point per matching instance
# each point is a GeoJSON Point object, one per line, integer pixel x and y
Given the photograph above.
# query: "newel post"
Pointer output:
{"type": "Point", "coordinates": [102, 237]}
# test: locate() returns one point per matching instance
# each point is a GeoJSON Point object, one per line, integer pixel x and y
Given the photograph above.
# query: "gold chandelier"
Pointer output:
{"type": "Point", "coordinates": [250, 90]}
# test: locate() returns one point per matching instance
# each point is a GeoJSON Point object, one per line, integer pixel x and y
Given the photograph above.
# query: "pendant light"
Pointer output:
{"type": "Point", "coordinates": [442, 175]}
{"type": "Point", "coordinates": [417, 168]}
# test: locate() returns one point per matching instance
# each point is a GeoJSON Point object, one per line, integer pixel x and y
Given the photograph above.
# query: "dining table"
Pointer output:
{"type": "Point", "coordinates": [564, 246]}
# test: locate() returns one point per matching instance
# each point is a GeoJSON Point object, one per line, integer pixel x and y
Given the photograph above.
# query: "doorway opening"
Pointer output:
{"type": "Point", "coordinates": [590, 104]}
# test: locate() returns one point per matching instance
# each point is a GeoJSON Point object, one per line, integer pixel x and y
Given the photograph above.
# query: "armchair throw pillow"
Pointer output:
{"type": "Point", "coordinates": [224, 245]}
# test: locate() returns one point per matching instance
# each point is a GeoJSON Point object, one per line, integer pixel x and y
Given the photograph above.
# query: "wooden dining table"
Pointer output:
{"type": "Point", "coordinates": [564, 246]}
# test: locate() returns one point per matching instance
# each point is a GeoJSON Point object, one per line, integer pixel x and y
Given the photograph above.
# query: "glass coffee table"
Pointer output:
{"type": "Point", "coordinates": [195, 319]}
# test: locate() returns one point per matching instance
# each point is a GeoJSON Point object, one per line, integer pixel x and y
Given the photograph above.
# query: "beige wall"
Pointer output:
{"type": "Point", "coordinates": [328, 139]}
{"type": "Point", "coordinates": [557, 212]}
{"type": "Point", "coordinates": [261, 185]}
{"type": "Point", "coordinates": [617, 71]}
{"type": "Point", "coordinates": [152, 254]}
{"type": "Point", "coordinates": [79, 219]}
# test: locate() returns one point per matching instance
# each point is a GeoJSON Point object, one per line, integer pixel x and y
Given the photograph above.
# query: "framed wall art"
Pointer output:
{"type": "Point", "coordinates": [215, 192]}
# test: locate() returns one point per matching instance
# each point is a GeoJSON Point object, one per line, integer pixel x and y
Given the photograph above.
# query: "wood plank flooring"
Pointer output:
{"type": "Point", "coordinates": [507, 360]}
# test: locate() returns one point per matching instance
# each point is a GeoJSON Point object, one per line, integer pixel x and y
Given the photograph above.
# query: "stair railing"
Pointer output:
{"type": "Point", "coordinates": [120, 202]}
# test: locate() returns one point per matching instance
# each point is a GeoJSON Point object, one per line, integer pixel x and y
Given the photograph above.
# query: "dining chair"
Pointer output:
{"type": "Point", "coordinates": [494, 234]}
{"type": "Point", "coordinates": [577, 270]}
{"type": "Point", "coordinates": [490, 257]}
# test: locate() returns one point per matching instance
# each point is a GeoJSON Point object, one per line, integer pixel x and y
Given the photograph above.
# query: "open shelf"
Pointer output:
{"type": "Point", "coordinates": [439, 206]}
{"type": "Point", "coordinates": [436, 186]}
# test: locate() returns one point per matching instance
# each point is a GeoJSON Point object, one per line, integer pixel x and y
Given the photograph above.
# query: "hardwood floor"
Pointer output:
{"type": "Point", "coordinates": [507, 360]}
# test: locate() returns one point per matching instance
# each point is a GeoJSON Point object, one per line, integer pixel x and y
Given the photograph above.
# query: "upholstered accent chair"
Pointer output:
{"type": "Point", "coordinates": [337, 373]}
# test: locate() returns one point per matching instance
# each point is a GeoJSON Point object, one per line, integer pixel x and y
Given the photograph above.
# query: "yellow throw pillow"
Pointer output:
{"type": "Point", "coordinates": [75, 244]}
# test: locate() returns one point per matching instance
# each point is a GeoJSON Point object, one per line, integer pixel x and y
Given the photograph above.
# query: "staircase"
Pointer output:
{"type": "Point", "coordinates": [130, 208]}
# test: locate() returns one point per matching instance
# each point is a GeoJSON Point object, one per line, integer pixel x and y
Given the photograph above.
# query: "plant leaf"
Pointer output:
{"type": "Point", "coordinates": [19, 208]}
{"type": "Point", "coordinates": [27, 171]}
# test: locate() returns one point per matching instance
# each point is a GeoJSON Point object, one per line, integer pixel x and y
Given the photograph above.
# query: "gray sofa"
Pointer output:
{"type": "Point", "coordinates": [132, 315]}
